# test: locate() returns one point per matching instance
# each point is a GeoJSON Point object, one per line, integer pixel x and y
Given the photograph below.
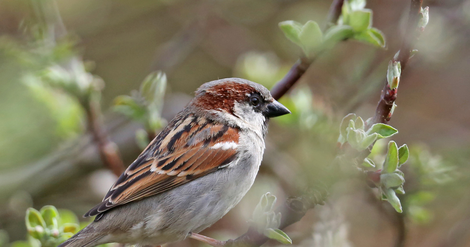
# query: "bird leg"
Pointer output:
{"type": "Point", "coordinates": [207, 240]}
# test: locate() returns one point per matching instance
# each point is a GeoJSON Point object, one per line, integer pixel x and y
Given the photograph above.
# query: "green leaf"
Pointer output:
{"type": "Point", "coordinates": [343, 127]}
{"type": "Point", "coordinates": [378, 35]}
{"type": "Point", "coordinates": [393, 200]}
{"type": "Point", "coordinates": [369, 140]}
{"type": "Point", "coordinates": [369, 163]}
{"type": "Point", "coordinates": [359, 123]}
{"type": "Point", "coordinates": [291, 30]}
{"type": "Point", "coordinates": [311, 37]}
{"type": "Point", "coordinates": [70, 228]}
{"type": "Point", "coordinates": [278, 235]}
{"type": "Point", "coordinates": [371, 36]}
{"type": "Point", "coordinates": [403, 154]}
{"type": "Point", "coordinates": [383, 130]}
{"type": "Point", "coordinates": [360, 20]}
{"type": "Point", "coordinates": [400, 190]}
{"type": "Point", "coordinates": [35, 223]}
{"type": "Point", "coordinates": [353, 137]}
{"type": "Point", "coordinates": [391, 180]}
{"type": "Point", "coordinates": [51, 216]}
{"type": "Point", "coordinates": [391, 161]}
{"type": "Point", "coordinates": [336, 34]}
{"type": "Point", "coordinates": [424, 18]}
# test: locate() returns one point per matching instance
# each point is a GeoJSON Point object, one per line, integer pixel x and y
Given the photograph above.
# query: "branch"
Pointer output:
{"type": "Point", "coordinates": [291, 78]}
{"type": "Point", "coordinates": [296, 207]}
{"type": "Point", "coordinates": [108, 150]}
{"type": "Point", "coordinates": [388, 97]}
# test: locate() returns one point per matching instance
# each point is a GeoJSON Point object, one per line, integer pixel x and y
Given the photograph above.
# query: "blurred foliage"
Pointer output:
{"type": "Point", "coordinates": [44, 81]}
{"type": "Point", "coordinates": [266, 221]}
{"type": "Point", "coordinates": [145, 106]}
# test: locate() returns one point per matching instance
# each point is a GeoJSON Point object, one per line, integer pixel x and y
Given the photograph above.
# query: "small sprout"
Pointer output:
{"type": "Point", "coordinates": [393, 74]}
{"type": "Point", "coordinates": [266, 221]}
{"type": "Point", "coordinates": [46, 228]}
{"type": "Point", "coordinates": [403, 154]}
{"type": "Point", "coordinates": [343, 127]}
{"type": "Point", "coordinates": [391, 161]}
{"type": "Point", "coordinates": [424, 18]}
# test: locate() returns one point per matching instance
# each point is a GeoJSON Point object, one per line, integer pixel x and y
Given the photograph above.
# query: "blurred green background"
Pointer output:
{"type": "Point", "coordinates": [45, 157]}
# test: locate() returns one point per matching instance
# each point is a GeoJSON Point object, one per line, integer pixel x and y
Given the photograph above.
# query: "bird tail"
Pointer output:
{"type": "Point", "coordinates": [84, 238]}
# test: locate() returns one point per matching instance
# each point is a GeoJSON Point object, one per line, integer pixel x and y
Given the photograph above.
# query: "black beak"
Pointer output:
{"type": "Point", "coordinates": [275, 109]}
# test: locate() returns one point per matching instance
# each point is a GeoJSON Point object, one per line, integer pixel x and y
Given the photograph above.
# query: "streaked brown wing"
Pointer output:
{"type": "Point", "coordinates": [185, 150]}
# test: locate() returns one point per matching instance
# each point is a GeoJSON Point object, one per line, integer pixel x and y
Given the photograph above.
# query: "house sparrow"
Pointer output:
{"type": "Point", "coordinates": [197, 169]}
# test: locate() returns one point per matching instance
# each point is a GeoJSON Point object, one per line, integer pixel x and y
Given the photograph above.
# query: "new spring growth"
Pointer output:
{"type": "Point", "coordinates": [266, 221]}
{"type": "Point", "coordinates": [392, 179]}
{"type": "Point", "coordinates": [47, 228]}
{"type": "Point", "coordinates": [424, 18]}
{"type": "Point", "coordinates": [393, 74]}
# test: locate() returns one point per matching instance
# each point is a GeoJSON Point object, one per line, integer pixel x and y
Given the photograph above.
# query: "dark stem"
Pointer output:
{"type": "Point", "coordinates": [108, 150]}
{"type": "Point", "coordinates": [334, 13]}
{"type": "Point", "coordinates": [291, 78]}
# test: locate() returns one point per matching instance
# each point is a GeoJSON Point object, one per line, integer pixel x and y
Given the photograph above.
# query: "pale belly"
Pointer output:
{"type": "Point", "coordinates": [192, 207]}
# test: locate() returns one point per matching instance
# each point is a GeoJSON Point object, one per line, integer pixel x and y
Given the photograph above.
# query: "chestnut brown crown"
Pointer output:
{"type": "Point", "coordinates": [223, 94]}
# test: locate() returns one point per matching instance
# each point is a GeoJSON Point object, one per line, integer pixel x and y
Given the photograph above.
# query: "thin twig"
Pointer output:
{"type": "Point", "coordinates": [388, 97]}
{"type": "Point", "coordinates": [291, 78]}
{"type": "Point", "coordinates": [108, 150]}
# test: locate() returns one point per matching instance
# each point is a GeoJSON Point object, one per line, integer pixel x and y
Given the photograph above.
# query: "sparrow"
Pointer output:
{"type": "Point", "coordinates": [195, 171]}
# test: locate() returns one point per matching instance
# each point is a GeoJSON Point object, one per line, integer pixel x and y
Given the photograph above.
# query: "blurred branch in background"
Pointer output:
{"type": "Point", "coordinates": [71, 77]}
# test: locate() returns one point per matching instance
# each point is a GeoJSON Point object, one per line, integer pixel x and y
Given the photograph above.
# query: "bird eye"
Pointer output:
{"type": "Point", "coordinates": [255, 100]}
